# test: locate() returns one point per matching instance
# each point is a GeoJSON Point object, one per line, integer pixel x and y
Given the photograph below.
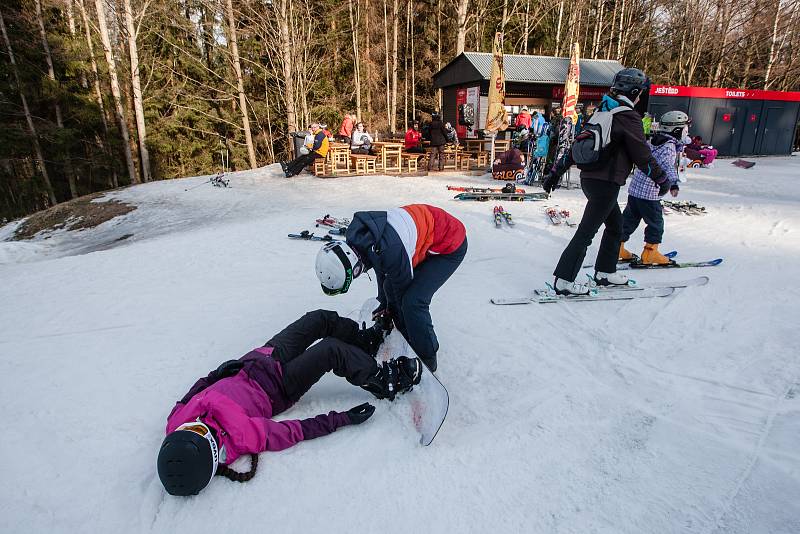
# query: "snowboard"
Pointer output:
{"type": "Point", "coordinates": [429, 400]}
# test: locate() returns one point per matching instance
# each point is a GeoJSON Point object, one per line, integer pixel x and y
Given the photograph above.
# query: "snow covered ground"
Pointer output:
{"type": "Point", "coordinates": [667, 415]}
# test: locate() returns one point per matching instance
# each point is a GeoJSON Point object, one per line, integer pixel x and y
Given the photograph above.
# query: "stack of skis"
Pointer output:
{"type": "Point", "coordinates": [686, 207]}
{"type": "Point", "coordinates": [335, 226]}
{"type": "Point", "coordinates": [500, 215]}
{"type": "Point", "coordinates": [509, 192]}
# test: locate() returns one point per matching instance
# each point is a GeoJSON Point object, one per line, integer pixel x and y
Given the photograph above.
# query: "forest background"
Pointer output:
{"type": "Point", "coordinates": [95, 94]}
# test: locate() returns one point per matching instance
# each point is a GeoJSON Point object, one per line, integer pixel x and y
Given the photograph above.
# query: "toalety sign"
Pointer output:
{"type": "Point", "coordinates": [715, 92]}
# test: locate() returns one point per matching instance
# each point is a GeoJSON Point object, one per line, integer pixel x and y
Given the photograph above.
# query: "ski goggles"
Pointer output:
{"type": "Point", "coordinates": [201, 429]}
{"type": "Point", "coordinates": [348, 271]}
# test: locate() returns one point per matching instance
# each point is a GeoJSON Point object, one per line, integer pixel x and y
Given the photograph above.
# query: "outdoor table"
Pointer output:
{"type": "Point", "coordinates": [339, 153]}
{"type": "Point", "coordinates": [478, 145]}
{"type": "Point", "coordinates": [390, 151]}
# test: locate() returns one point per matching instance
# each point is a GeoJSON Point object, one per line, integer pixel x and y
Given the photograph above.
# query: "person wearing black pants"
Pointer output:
{"type": "Point", "coordinates": [601, 209]}
{"type": "Point", "coordinates": [624, 146]}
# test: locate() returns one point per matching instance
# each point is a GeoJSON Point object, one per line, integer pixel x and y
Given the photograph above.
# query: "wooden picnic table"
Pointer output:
{"type": "Point", "coordinates": [339, 153]}
{"type": "Point", "coordinates": [390, 152]}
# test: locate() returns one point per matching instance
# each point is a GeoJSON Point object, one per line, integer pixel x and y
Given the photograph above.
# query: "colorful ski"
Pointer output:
{"type": "Point", "coordinates": [507, 216]}
{"type": "Point", "coordinates": [552, 214]}
{"type": "Point", "coordinates": [498, 217]}
{"type": "Point", "coordinates": [564, 216]}
{"type": "Point", "coordinates": [671, 254]}
{"type": "Point", "coordinates": [711, 263]}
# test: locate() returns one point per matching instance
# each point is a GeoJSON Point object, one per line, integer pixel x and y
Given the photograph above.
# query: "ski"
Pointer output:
{"type": "Point", "coordinates": [507, 216]}
{"type": "Point", "coordinates": [482, 197]}
{"type": "Point", "coordinates": [506, 189]}
{"type": "Point", "coordinates": [545, 296]}
{"type": "Point", "coordinates": [498, 217]}
{"type": "Point", "coordinates": [671, 254]}
{"type": "Point", "coordinates": [309, 236]}
{"type": "Point", "coordinates": [564, 216]}
{"type": "Point", "coordinates": [333, 222]}
{"type": "Point", "coordinates": [552, 214]}
{"type": "Point", "coordinates": [675, 284]}
{"type": "Point", "coordinates": [673, 265]}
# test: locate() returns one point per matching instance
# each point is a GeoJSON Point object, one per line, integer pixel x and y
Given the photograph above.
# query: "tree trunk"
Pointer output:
{"type": "Point", "coordinates": [237, 67]}
{"type": "Point", "coordinates": [439, 49]}
{"type": "Point", "coordinates": [461, 25]}
{"type": "Point", "coordinates": [598, 24]}
{"type": "Point", "coordinates": [356, 61]}
{"type": "Point", "coordinates": [286, 48]}
{"type": "Point", "coordinates": [726, 24]}
{"type": "Point", "coordinates": [138, 107]}
{"type": "Point", "coordinates": [772, 55]}
{"type": "Point", "coordinates": [620, 34]}
{"type": "Point", "coordinates": [395, 65]}
{"type": "Point", "coordinates": [526, 32]}
{"type": "Point", "coordinates": [558, 28]}
{"type": "Point", "coordinates": [97, 90]}
{"type": "Point", "coordinates": [112, 74]}
{"type": "Point", "coordinates": [368, 84]}
{"type": "Point", "coordinates": [28, 118]}
{"type": "Point", "coordinates": [386, 62]}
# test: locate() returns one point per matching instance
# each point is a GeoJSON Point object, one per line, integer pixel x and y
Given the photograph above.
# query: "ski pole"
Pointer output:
{"type": "Point", "coordinates": [196, 186]}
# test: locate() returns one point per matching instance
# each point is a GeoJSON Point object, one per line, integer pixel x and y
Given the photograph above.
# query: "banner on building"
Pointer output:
{"type": "Point", "coordinates": [496, 116]}
{"type": "Point", "coordinates": [572, 86]}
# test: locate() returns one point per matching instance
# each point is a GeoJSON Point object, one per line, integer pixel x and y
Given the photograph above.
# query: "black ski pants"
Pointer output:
{"type": "Point", "coordinates": [438, 153]}
{"type": "Point", "coordinates": [649, 210]}
{"type": "Point", "coordinates": [413, 315]}
{"type": "Point", "coordinates": [303, 364]}
{"type": "Point", "coordinates": [601, 208]}
{"type": "Point", "coordinates": [297, 165]}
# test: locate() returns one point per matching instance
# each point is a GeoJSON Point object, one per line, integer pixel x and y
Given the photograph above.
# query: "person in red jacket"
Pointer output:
{"type": "Point", "coordinates": [414, 139]}
{"type": "Point", "coordinates": [524, 119]}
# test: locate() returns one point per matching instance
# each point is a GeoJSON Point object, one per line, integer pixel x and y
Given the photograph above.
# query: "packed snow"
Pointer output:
{"type": "Point", "coordinates": [679, 414]}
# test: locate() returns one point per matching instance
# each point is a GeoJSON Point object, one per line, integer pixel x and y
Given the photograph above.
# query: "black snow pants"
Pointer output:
{"type": "Point", "coordinates": [297, 165]}
{"type": "Point", "coordinates": [601, 208]}
{"type": "Point", "coordinates": [303, 364]}
{"type": "Point", "coordinates": [413, 315]}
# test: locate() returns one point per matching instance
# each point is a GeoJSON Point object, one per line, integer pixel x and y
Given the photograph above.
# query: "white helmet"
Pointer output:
{"type": "Point", "coordinates": [337, 265]}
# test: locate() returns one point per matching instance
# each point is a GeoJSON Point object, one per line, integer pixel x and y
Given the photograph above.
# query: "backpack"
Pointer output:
{"type": "Point", "coordinates": [426, 131]}
{"type": "Point", "coordinates": [592, 147]}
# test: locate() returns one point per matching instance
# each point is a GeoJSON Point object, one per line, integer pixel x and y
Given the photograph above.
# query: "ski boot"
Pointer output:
{"type": "Point", "coordinates": [564, 287]}
{"type": "Point", "coordinates": [624, 255]}
{"type": "Point", "coordinates": [610, 279]}
{"type": "Point", "coordinates": [370, 339]}
{"type": "Point", "coordinates": [393, 377]}
{"type": "Point", "coordinates": [651, 255]}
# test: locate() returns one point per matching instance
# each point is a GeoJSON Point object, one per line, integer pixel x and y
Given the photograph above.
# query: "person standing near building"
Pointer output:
{"type": "Point", "coordinates": [523, 119]}
{"type": "Point", "coordinates": [438, 138]}
{"type": "Point", "coordinates": [601, 183]}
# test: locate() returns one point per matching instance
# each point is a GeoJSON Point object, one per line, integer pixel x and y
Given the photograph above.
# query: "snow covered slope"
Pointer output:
{"type": "Point", "coordinates": [653, 416]}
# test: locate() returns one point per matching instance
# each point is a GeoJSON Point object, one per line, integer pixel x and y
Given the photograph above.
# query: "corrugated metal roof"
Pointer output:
{"type": "Point", "coordinates": [546, 69]}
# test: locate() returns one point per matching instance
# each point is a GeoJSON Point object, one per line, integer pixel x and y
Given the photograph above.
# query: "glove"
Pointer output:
{"type": "Point", "coordinates": [370, 339]}
{"type": "Point", "coordinates": [663, 188]}
{"type": "Point", "coordinates": [383, 317]}
{"type": "Point", "coordinates": [360, 413]}
{"type": "Point", "coordinates": [549, 182]}
{"type": "Point", "coordinates": [226, 369]}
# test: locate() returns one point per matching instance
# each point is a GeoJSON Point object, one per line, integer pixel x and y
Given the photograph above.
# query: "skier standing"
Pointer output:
{"type": "Point", "coordinates": [229, 413]}
{"type": "Point", "coordinates": [414, 250]}
{"type": "Point", "coordinates": [438, 138]}
{"type": "Point", "coordinates": [601, 186]}
{"type": "Point", "coordinates": [644, 195]}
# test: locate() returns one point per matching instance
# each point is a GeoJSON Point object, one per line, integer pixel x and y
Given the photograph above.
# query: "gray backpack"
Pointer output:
{"type": "Point", "coordinates": [591, 148]}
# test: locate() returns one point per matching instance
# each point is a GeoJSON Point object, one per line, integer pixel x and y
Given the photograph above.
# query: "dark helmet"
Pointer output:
{"type": "Point", "coordinates": [187, 460]}
{"type": "Point", "coordinates": [630, 83]}
{"type": "Point", "coordinates": [435, 115]}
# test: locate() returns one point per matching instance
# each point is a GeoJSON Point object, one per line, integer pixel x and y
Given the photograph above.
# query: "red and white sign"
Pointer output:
{"type": "Point", "coordinates": [714, 92]}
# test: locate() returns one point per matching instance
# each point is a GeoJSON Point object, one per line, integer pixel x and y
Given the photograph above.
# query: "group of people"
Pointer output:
{"type": "Point", "coordinates": [412, 250]}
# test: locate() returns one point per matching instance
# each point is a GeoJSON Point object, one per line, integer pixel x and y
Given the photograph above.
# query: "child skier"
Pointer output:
{"type": "Point", "coordinates": [644, 195]}
{"type": "Point", "coordinates": [414, 251]}
{"type": "Point", "coordinates": [229, 412]}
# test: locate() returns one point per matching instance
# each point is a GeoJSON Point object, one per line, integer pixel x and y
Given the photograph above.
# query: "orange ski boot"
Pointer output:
{"type": "Point", "coordinates": [624, 255]}
{"type": "Point", "coordinates": [651, 255]}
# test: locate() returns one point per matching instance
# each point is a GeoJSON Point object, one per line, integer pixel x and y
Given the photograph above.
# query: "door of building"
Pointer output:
{"type": "Point", "coordinates": [747, 125]}
{"type": "Point", "coordinates": [723, 132]}
{"type": "Point", "coordinates": [772, 131]}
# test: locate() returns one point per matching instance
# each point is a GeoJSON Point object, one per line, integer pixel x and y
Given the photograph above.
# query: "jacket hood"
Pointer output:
{"type": "Point", "coordinates": [365, 232]}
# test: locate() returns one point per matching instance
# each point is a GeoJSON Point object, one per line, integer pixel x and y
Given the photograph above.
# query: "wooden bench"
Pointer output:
{"type": "Point", "coordinates": [464, 160]}
{"type": "Point", "coordinates": [364, 163]}
{"type": "Point", "coordinates": [481, 158]}
{"type": "Point", "coordinates": [411, 160]}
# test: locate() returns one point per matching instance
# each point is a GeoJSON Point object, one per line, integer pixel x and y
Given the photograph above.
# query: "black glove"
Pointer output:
{"type": "Point", "coordinates": [549, 182]}
{"type": "Point", "coordinates": [663, 188]}
{"type": "Point", "coordinates": [370, 339]}
{"type": "Point", "coordinates": [383, 317]}
{"type": "Point", "coordinates": [229, 368]}
{"type": "Point", "coordinates": [360, 413]}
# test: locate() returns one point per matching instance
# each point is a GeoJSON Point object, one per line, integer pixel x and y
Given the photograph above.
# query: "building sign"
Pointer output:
{"type": "Point", "coordinates": [586, 93]}
{"type": "Point", "coordinates": [714, 92]}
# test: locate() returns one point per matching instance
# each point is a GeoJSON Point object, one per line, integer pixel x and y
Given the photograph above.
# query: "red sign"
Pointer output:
{"type": "Point", "coordinates": [726, 117]}
{"type": "Point", "coordinates": [753, 117]}
{"type": "Point", "coordinates": [585, 93]}
{"type": "Point", "coordinates": [714, 92]}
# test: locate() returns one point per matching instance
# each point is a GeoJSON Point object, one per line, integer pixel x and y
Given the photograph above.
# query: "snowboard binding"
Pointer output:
{"type": "Point", "coordinates": [394, 376]}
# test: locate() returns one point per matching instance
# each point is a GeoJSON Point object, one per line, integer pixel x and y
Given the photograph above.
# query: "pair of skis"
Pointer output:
{"type": "Point", "coordinates": [636, 263]}
{"type": "Point", "coordinates": [337, 226]}
{"type": "Point", "coordinates": [500, 215]}
{"type": "Point", "coordinates": [558, 216]}
{"type": "Point", "coordinates": [309, 236]}
{"type": "Point", "coordinates": [686, 207]}
{"type": "Point", "coordinates": [508, 188]}
{"type": "Point", "coordinates": [603, 293]}
{"type": "Point", "coordinates": [486, 196]}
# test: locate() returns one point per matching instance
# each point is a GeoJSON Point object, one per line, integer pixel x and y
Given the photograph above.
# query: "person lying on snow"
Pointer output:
{"type": "Point", "coordinates": [228, 413]}
{"type": "Point", "coordinates": [414, 250]}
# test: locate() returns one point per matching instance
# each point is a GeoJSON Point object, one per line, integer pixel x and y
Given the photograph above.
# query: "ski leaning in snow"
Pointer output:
{"type": "Point", "coordinates": [564, 215]}
{"type": "Point", "coordinates": [501, 196]}
{"type": "Point", "coordinates": [558, 216]}
{"type": "Point", "coordinates": [498, 217]}
{"type": "Point", "coordinates": [673, 265]}
{"type": "Point", "coordinates": [552, 214]}
{"type": "Point", "coordinates": [309, 236]}
{"type": "Point", "coordinates": [671, 254]}
{"type": "Point", "coordinates": [429, 399]}
{"type": "Point", "coordinates": [507, 216]}
{"type": "Point", "coordinates": [544, 296]}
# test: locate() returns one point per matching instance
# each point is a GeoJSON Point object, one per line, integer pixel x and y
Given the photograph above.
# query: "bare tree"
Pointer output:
{"type": "Point", "coordinates": [461, 25]}
{"type": "Point", "coordinates": [237, 68]}
{"type": "Point", "coordinates": [138, 108]}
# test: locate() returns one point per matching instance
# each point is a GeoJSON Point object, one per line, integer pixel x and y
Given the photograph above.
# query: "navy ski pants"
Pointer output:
{"type": "Point", "coordinates": [649, 210]}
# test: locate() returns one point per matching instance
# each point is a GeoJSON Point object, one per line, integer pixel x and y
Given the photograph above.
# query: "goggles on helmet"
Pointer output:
{"type": "Point", "coordinates": [201, 429]}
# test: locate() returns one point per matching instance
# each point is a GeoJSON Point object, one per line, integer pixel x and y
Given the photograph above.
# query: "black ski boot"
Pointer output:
{"type": "Point", "coordinates": [370, 339]}
{"type": "Point", "coordinates": [409, 373]}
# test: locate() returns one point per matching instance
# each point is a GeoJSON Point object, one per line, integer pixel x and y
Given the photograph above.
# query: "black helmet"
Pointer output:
{"type": "Point", "coordinates": [435, 115]}
{"type": "Point", "coordinates": [630, 83]}
{"type": "Point", "coordinates": [188, 459]}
